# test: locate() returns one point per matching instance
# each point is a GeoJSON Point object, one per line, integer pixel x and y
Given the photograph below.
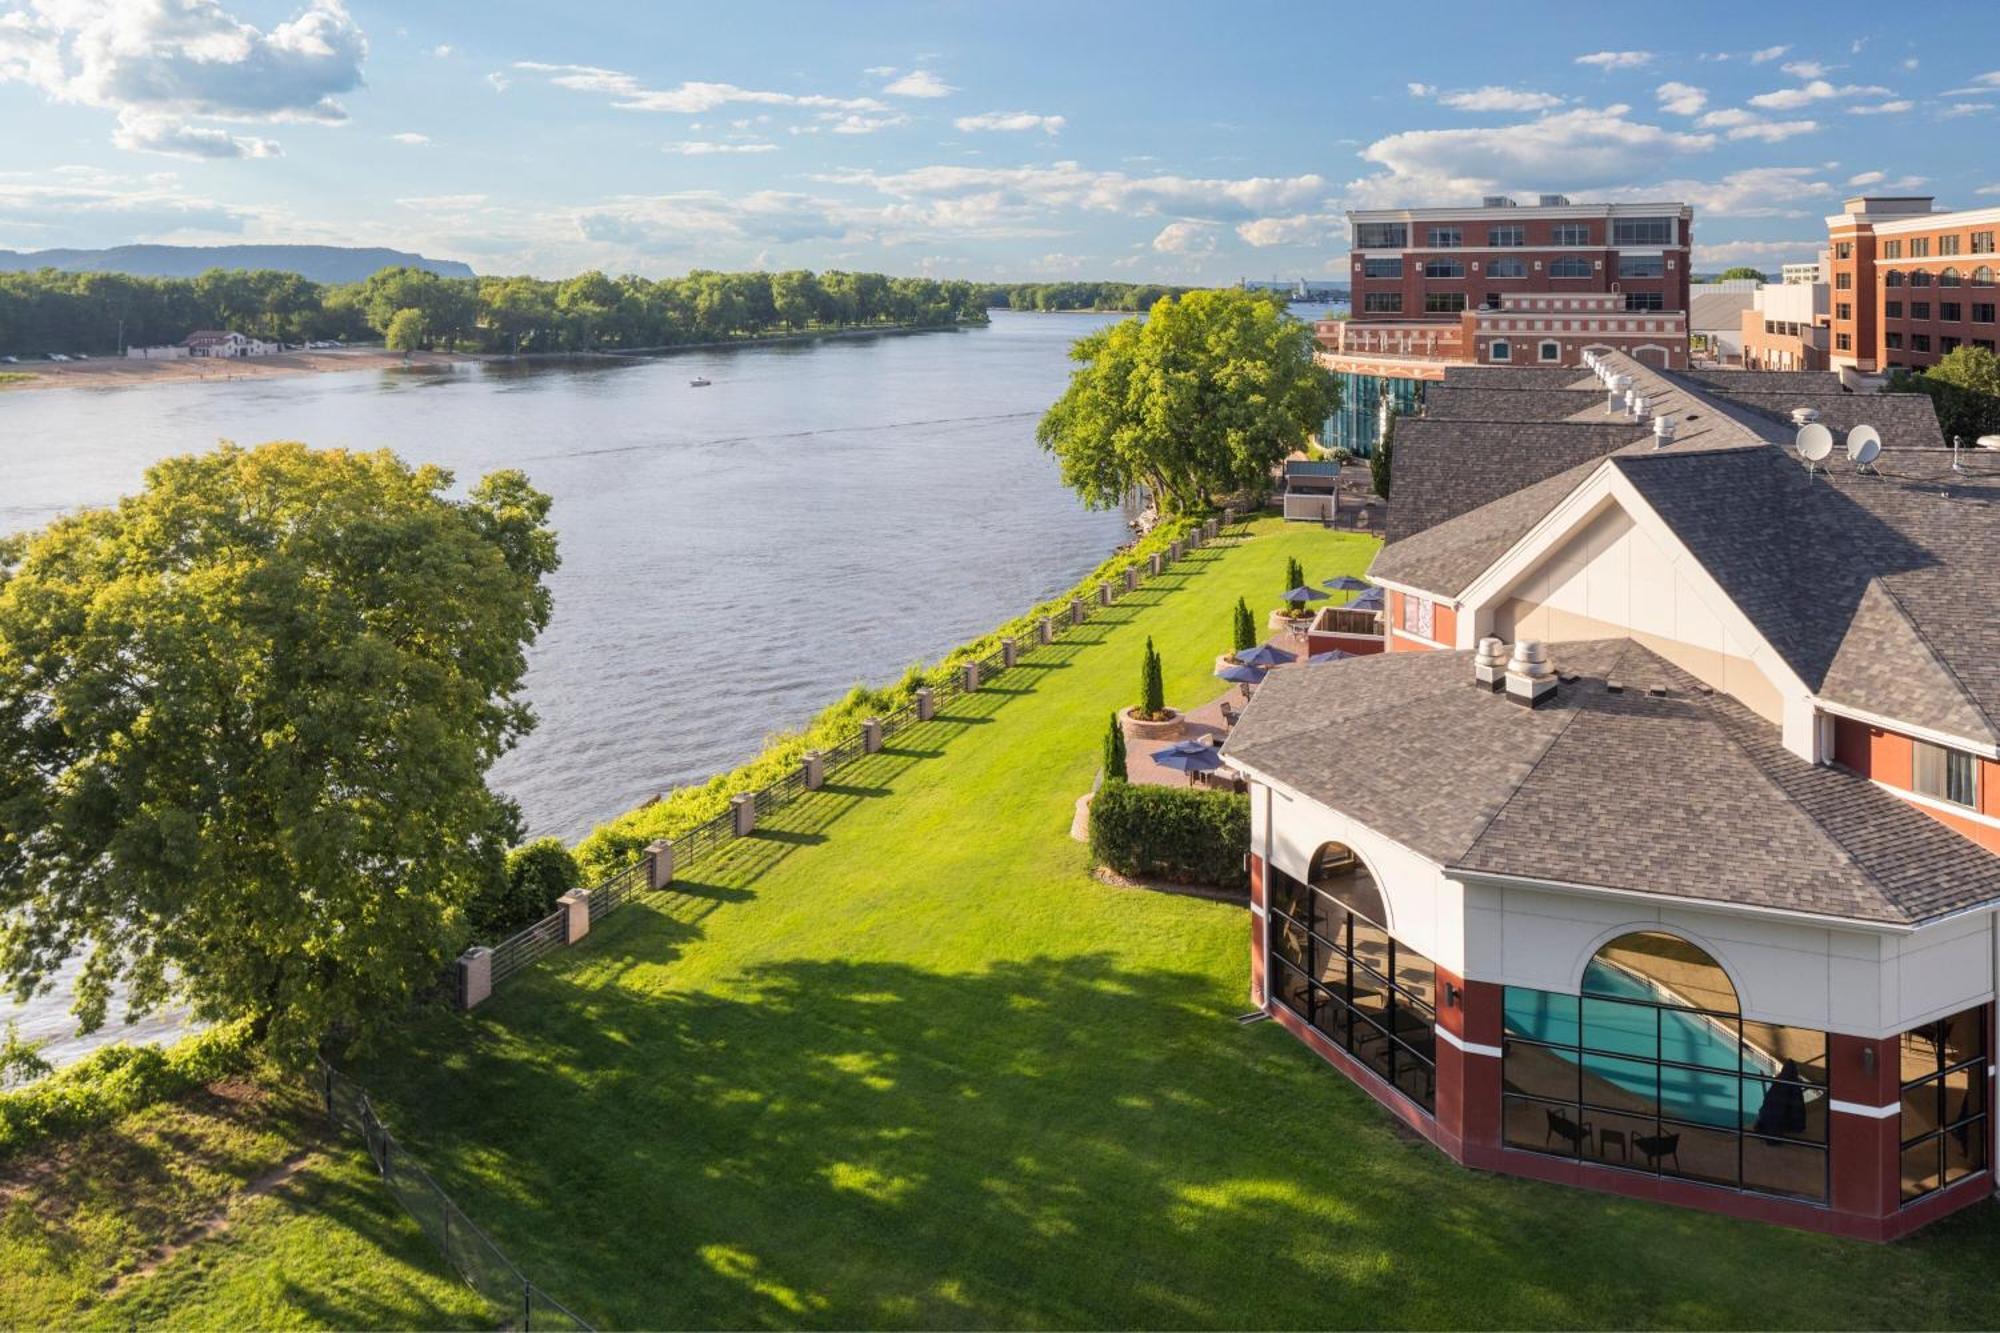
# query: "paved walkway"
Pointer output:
{"type": "Point", "coordinates": [1203, 723]}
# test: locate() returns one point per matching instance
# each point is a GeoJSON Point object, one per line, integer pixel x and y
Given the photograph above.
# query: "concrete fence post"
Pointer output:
{"type": "Point", "coordinates": [813, 766]}
{"type": "Point", "coordinates": [1010, 652]}
{"type": "Point", "coordinates": [1229, 516]}
{"type": "Point", "coordinates": [1076, 610]}
{"type": "Point", "coordinates": [1194, 538]}
{"type": "Point", "coordinates": [1104, 594]}
{"type": "Point", "coordinates": [1045, 632]}
{"type": "Point", "coordinates": [969, 674]}
{"type": "Point", "coordinates": [659, 864]}
{"type": "Point", "coordinates": [871, 735]}
{"type": "Point", "coordinates": [576, 914]}
{"type": "Point", "coordinates": [743, 806]}
{"type": "Point", "coordinates": [1131, 578]}
{"type": "Point", "coordinates": [926, 703]}
{"type": "Point", "coordinates": [1174, 551]}
{"type": "Point", "coordinates": [1155, 563]}
{"type": "Point", "coordinates": [475, 976]}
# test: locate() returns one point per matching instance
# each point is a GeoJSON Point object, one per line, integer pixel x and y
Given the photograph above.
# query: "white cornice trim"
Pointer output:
{"type": "Point", "coordinates": [1408, 637]}
{"type": "Point", "coordinates": [1872, 1112]}
{"type": "Point", "coordinates": [1469, 1047]}
{"type": "Point", "coordinates": [1971, 816]}
{"type": "Point", "coordinates": [1492, 880]}
{"type": "Point", "coordinates": [1984, 748]}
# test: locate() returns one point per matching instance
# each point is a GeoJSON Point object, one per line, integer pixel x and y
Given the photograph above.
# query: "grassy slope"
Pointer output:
{"type": "Point", "coordinates": [899, 1061]}
{"type": "Point", "coordinates": [92, 1231]}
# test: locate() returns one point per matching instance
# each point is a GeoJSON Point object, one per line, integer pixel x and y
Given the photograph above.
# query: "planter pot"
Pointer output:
{"type": "Point", "coordinates": [1280, 621]}
{"type": "Point", "coordinates": [1138, 728]}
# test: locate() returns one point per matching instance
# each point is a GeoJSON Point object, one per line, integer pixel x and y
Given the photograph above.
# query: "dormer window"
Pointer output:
{"type": "Point", "coordinates": [1945, 774]}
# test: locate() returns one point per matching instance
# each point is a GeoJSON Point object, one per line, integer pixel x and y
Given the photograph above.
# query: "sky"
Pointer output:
{"type": "Point", "coordinates": [1158, 141]}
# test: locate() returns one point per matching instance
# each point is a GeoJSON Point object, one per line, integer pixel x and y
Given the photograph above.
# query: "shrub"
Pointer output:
{"type": "Point", "coordinates": [1114, 751]}
{"type": "Point", "coordinates": [1245, 628]}
{"type": "Point", "coordinates": [537, 874]}
{"type": "Point", "coordinates": [1179, 834]}
{"type": "Point", "coordinates": [1152, 685]}
{"type": "Point", "coordinates": [1382, 463]}
{"type": "Point", "coordinates": [116, 1080]}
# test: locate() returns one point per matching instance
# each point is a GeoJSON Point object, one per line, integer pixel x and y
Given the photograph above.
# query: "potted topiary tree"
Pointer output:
{"type": "Point", "coordinates": [1152, 719]}
{"type": "Point", "coordinates": [1242, 634]}
{"type": "Point", "coordinates": [1288, 613]}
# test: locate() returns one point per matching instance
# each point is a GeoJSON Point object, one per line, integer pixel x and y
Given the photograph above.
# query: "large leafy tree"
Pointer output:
{"type": "Point", "coordinates": [246, 718]}
{"type": "Point", "coordinates": [1964, 386]}
{"type": "Point", "coordinates": [1201, 397]}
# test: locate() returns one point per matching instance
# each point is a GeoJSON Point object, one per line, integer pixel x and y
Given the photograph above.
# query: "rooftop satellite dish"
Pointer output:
{"type": "Point", "coordinates": [1864, 445]}
{"type": "Point", "coordinates": [1815, 443]}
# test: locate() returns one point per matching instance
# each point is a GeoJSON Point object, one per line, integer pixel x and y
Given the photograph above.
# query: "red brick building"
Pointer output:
{"type": "Point", "coordinates": [1910, 283]}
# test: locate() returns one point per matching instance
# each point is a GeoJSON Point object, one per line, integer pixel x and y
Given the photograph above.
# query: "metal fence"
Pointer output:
{"type": "Point", "coordinates": [551, 932]}
{"type": "Point", "coordinates": [519, 1303]}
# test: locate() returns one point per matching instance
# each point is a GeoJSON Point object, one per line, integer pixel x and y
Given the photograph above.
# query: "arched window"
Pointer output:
{"type": "Point", "coordinates": [1949, 278]}
{"type": "Point", "coordinates": [1571, 267]}
{"type": "Point", "coordinates": [1335, 966]}
{"type": "Point", "coordinates": [1893, 278]}
{"type": "Point", "coordinates": [1659, 968]}
{"type": "Point", "coordinates": [1982, 276]}
{"type": "Point", "coordinates": [1920, 277]}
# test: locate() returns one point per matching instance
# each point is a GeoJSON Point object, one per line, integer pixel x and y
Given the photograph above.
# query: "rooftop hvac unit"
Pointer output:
{"type": "Point", "coordinates": [1555, 201]}
{"type": "Point", "coordinates": [1497, 201]}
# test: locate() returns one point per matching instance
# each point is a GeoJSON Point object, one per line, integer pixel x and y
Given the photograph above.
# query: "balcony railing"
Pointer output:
{"type": "Point", "coordinates": [1411, 340]}
{"type": "Point", "coordinates": [1344, 620]}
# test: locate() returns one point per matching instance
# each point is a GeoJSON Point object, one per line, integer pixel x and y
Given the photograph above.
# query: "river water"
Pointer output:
{"type": "Point", "coordinates": [734, 556]}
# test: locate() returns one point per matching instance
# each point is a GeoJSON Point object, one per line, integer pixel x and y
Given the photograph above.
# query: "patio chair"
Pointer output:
{"type": "Point", "coordinates": [1568, 1130]}
{"type": "Point", "coordinates": [1657, 1146]}
{"type": "Point", "coordinates": [1228, 714]}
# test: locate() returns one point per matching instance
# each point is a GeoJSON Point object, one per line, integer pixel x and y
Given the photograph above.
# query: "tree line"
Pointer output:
{"type": "Point", "coordinates": [52, 311]}
{"type": "Point", "coordinates": [1078, 295]}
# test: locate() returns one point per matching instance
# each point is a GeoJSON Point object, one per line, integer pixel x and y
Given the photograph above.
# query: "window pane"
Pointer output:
{"type": "Point", "coordinates": [1921, 1112]}
{"type": "Point", "coordinates": [1964, 1094]}
{"type": "Point", "coordinates": [1784, 1168]}
{"type": "Point", "coordinates": [1416, 1079]}
{"type": "Point", "coordinates": [1540, 1071]}
{"type": "Point", "coordinates": [1629, 1029]}
{"type": "Point", "coordinates": [1624, 1085]}
{"type": "Point", "coordinates": [1371, 995]}
{"type": "Point", "coordinates": [1775, 1110]}
{"type": "Point", "coordinates": [1332, 1017]}
{"type": "Point", "coordinates": [1922, 1169]}
{"type": "Point", "coordinates": [1768, 1048]}
{"type": "Point", "coordinates": [1920, 1051]}
{"type": "Point", "coordinates": [1653, 965]}
{"type": "Point", "coordinates": [1289, 989]}
{"type": "Point", "coordinates": [1965, 1035]}
{"type": "Point", "coordinates": [1615, 1138]}
{"type": "Point", "coordinates": [1330, 969]}
{"type": "Point", "coordinates": [1416, 977]}
{"type": "Point", "coordinates": [1540, 1014]}
{"type": "Point", "coordinates": [1699, 1039]}
{"type": "Point", "coordinates": [1964, 1150]}
{"type": "Point", "coordinates": [1540, 1126]}
{"type": "Point", "coordinates": [1700, 1096]}
{"type": "Point", "coordinates": [1289, 896]}
{"type": "Point", "coordinates": [1697, 1153]}
{"type": "Point", "coordinates": [1371, 1045]}
{"type": "Point", "coordinates": [1371, 944]}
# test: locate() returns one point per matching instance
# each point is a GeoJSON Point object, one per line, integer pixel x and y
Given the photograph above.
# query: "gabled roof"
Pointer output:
{"type": "Point", "coordinates": [1875, 588]}
{"type": "Point", "coordinates": [1709, 310]}
{"type": "Point", "coordinates": [1518, 377]}
{"type": "Point", "coordinates": [1449, 402]}
{"type": "Point", "coordinates": [1682, 793]}
{"type": "Point", "coordinates": [1747, 381]}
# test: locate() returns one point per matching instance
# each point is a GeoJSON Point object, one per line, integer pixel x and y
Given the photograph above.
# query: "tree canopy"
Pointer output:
{"type": "Point", "coordinates": [1202, 397]}
{"type": "Point", "coordinates": [1740, 271]}
{"type": "Point", "coordinates": [246, 718]}
{"type": "Point", "coordinates": [1964, 386]}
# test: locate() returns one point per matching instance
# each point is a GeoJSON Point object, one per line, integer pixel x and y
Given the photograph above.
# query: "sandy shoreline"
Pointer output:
{"type": "Point", "coordinates": [114, 373]}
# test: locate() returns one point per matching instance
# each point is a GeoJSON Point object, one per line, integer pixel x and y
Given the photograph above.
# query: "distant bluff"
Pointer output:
{"type": "Point", "coordinates": [320, 263]}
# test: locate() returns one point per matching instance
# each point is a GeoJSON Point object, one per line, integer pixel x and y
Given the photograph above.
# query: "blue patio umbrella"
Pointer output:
{"type": "Point", "coordinates": [1348, 583]}
{"type": "Point", "coordinates": [1367, 601]}
{"type": "Point", "coordinates": [1304, 593]}
{"type": "Point", "coordinates": [1330, 655]}
{"type": "Point", "coordinates": [1241, 675]}
{"type": "Point", "coordinates": [1189, 757]}
{"type": "Point", "coordinates": [1264, 655]}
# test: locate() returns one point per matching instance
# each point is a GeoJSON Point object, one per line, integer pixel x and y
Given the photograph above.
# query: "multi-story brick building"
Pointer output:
{"type": "Point", "coordinates": [1910, 283]}
{"type": "Point", "coordinates": [1503, 284]}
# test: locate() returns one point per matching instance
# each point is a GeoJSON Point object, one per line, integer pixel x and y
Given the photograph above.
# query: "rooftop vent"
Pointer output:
{"type": "Point", "coordinates": [1641, 407]}
{"type": "Point", "coordinates": [1497, 201]}
{"type": "Point", "coordinates": [1555, 201]}
{"type": "Point", "coordinates": [1804, 416]}
{"type": "Point", "coordinates": [1489, 665]}
{"type": "Point", "coordinates": [1663, 432]}
{"type": "Point", "coordinates": [1530, 678]}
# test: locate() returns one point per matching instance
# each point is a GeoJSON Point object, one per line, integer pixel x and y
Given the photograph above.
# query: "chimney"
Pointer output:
{"type": "Point", "coordinates": [1530, 678]}
{"type": "Point", "coordinates": [1489, 665]}
{"type": "Point", "coordinates": [1663, 431]}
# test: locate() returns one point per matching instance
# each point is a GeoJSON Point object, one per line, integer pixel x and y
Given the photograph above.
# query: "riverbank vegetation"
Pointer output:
{"type": "Point", "coordinates": [1060, 296]}
{"type": "Point", "coordinates": [100, 313]}
{"type": "Point", "coordinates": [1202, 398]}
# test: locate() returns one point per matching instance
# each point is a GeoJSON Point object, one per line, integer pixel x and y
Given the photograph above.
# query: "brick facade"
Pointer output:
{"type": "Point", "coordinates": [1910, 284]}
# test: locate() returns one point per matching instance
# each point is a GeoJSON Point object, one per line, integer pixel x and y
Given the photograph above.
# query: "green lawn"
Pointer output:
{"type": "Point", "coordinates": [154, 1222]}
{"type": "Point", "coordinates": [899, 1060]}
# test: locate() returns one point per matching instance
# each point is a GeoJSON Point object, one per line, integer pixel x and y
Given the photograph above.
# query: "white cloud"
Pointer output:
{"type": "Point", "coordinates": [1421, 89]}
{"type": "Point", "coordinates": [501, 83]}
{"type": "Point", "coordinates": [1884, 109]}
{"type": "Point", "coordinates": [1186, 238]}
{"type": "Point", "coordinates": [1774, 131]}
{"type": "Point", "coordinates": [1867, 178]}
{"type": "Point", "coordinates": [1724, 117]}
{"type": "Point", "coordinates": [689, 98]}
{"type": "Point", "coordinates": [1579, 149]}
{"type": "Point", "coordinates": [702, 148]}
{"type": "Point", "coordinates": [1298, 229]}
{"type": "Point", "coordinates": [1756, 252]}
{"type": "Point", "coordinates": [1495, 98]}
{"type": "Point", "coordinates": [1014, 192]}
{"type": "Point", "coordinates": [1804, 69]}
{"type": "Point", "coordinates": [442, 51]}
{"type": "Point", "coordinates": [86, 206]}
{"type": "Point", "coordinates": [1682, 99]}
{"type": "Point", "coordinates": [159, 62]}
{"type": "Point", "coordinates": [919, 83]}
{"type": "Point", "coordinates": [412, 139]}
{"type": "Point", "coordinates": [879, 71]}
{"type": "Point", "coordinates": [654, 223]}
{"type": "Point", "coordinates": [1610, 60]}
{"type": "Point", "coordinates": [170, 135]}
{"type": "Point", "coordinates": [1988, 190]}
{"type": "Point", "coordinates": [1756, 192]}
{"type": "Point", "coordinates": [1958, 109]}
{"type": "Point", "coordinates": [1815, 90]}
{"type": "Point", "coordinates": [444, 203]}
{"type": "Point", "coordinates": [1010, 121]}
{"type": "Point", "coordinates": [853, 122]}
{"type": "Point", "coordinates": [1911, 62]}
{"type": "Point", "coordinates": [1768, 54]}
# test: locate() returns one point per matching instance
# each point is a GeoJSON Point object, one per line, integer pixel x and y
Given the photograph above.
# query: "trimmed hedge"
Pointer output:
{"type": "Point", "coordinates": [619, 842]}
{"type": "Point", "coordinates": [1183, 835]}
{"type": "Point", "coordinates": [116, 1080]}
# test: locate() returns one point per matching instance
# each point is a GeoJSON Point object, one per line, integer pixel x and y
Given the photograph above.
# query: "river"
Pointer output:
{"type": "Point", "coordinates": [733, 557]}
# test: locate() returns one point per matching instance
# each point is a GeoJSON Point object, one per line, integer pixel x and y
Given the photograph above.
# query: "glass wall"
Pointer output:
{"type": "Point", "coordinates": [1334, 966]}
{"type": "Point", "coordinates": [1357, 424]}
{"type": "Point", "coordinates": [1944, 1102]}
{"type": "Point", "coordinates": [1653, 1069]}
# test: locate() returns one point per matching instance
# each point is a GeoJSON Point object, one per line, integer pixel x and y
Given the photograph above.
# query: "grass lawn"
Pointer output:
{"type": "Point", "coordinates": [227, 1209]}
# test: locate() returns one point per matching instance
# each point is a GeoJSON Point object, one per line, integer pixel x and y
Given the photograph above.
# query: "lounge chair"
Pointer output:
{"type": "Point", "coordinates": [1657, 1146]}
{"type": "Point", "coordinates": [1566, 1129]}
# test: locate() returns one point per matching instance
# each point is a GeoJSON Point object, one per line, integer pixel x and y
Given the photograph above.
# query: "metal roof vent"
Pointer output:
{"type": "Point", "coordinates": [1641, 407]}
{"type": "Point", "coordinates": [1663, 431]}
{"type": "Point", "coordinates": [1489, 665]}
{"type": "Point", "coordinates": [1804, 416]}
{"type": "Point", "coordinates": [1530, 678]}
{"type": "Point", "coordinates": [1497, 201]}
{"type": "Point", "coordinates": [1555, 201]}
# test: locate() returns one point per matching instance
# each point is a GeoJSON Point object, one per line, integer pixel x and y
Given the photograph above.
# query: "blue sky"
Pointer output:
{"type": "Point", "coordinates": [1172, 141]}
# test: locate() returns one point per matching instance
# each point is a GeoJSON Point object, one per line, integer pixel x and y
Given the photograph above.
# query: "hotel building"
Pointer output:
{"type": "Point", "coordinates": [1910, 283]}
{"type": "Point", "coordinates": [1502, 284]}
{"type": "Point", "coordinates": [1660, 853]}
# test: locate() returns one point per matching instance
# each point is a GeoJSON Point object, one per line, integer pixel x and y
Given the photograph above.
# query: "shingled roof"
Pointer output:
{"type": "Point", "coordinates": [1875, 587]}
{"type": "Point", "coordinates": [1636, 777]}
